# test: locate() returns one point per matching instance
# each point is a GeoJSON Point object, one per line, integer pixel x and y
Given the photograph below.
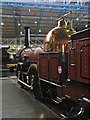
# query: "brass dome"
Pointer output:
{"type": "Point", "coordinates": [57, 37]}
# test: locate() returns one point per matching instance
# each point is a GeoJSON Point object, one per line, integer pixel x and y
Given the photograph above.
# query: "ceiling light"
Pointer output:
{"type": "Point", "coordinates": [51, 17]}
{"type": "Point", "coordinates": [50, 6]}
{"type": "Point", "coordinates": [35, 22]}
{"type": "Point", "coordinates": [77, 19]}
{"type": "Point", "coordinates": [18, 48]}
{"type": "Point", "coordinates": [18, 24]}
{"type": "Point", "coordinates": [21, 32]}
{"type": "Point", "coordinates": [2, 23]}
{"type": "Point", "coordinates": [39, 30]}
{"type": "Point", "coordinates": [86, 25]}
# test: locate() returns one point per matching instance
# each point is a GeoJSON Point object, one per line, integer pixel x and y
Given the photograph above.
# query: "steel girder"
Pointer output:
{"type": "Point", "coordinates": [49, 6]}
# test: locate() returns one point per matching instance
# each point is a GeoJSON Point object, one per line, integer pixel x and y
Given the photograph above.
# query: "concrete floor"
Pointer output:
{"type": "Point", "coordinates": [16, 103]}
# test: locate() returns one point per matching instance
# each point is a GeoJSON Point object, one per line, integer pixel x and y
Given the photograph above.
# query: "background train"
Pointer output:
{"type": "Point", "coordinates": [8, 60]}
{"type": "Point", "coordinates": [60, 71]}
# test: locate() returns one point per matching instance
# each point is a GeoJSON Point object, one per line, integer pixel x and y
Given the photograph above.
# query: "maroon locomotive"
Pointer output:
{"type": "Point", "coordinates": [60, 71]}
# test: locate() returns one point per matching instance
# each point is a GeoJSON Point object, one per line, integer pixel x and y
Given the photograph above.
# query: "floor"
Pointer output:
{"type": "Point", "coordinates": [17, 103]}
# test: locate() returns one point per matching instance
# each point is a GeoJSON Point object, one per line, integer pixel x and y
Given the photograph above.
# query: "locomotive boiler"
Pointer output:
{"type": "Point", "coordinates": [59, 71]}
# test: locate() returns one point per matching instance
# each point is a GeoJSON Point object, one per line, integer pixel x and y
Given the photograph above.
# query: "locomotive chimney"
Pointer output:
{"type": "Point", "coordinates": [27, 36]}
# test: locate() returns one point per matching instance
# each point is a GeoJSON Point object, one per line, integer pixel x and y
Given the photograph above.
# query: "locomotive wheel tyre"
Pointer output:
{"type": "Point", "coordinates": [36, 87]}
{"type": "Point", "coordinates": [75, 112]}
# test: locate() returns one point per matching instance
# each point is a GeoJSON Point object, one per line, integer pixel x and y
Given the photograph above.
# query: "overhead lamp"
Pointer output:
{"type": "Point", "coordinates": [77, 19]}
{"type": "Point", "coordinates": [39, 30]}
{"type": "Point", "coordinates": [51, 17]}
{"type": "Point", "coordinates": [50, 6]}
{"type": "Point", "coordinates": [35, 22]}
{"type": "Point", "coordinates": [2, 23]}
{"type": "Point", "coordinates": [18, 24]}
{"type": "Point", "coordinates": [18, 48]}
{"type": "Point", "coordinates": [21, 32]}
{"type": "Point", "coordinates": [86, 25]}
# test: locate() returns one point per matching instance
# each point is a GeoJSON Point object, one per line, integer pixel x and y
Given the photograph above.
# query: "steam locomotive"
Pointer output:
{"type": "Point", "coordinates": [60, 71]}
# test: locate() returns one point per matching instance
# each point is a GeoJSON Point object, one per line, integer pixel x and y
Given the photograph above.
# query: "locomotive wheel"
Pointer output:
{"type": "Point", "coordinates": [72, 110]}
{"type": "Point", "coordinates": [34, 81]}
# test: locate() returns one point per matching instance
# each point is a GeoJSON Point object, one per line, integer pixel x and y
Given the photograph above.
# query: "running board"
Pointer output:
{"type": "Point", "coordinates": [25, 84]}
{"type": "Point", "coordinates": [50, 82]}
